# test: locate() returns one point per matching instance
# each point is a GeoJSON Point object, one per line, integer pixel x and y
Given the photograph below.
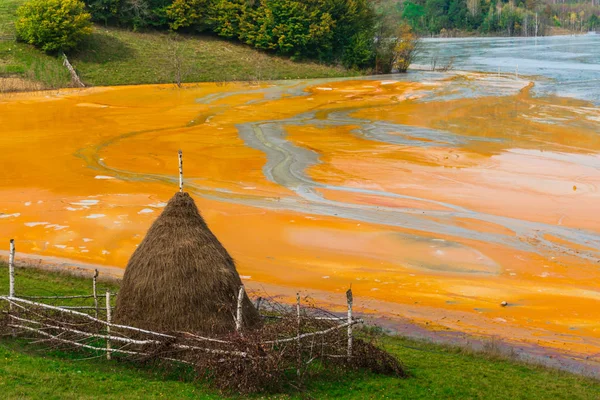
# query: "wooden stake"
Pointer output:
{"type": "Point", "coordinates": [239, 316]}
{"type": "Point", "coordinates": [258, 301]}
{"type": "Point", "coordinates": [298, 334]}
{"type": "Point", "coordinates": [11, 269]}
{"type": "Point", "coordinates": [74, 76]}
{"type": "Point", "coordinates": [180, 171]}
{"type": "Point", "coordinates": [349, 298]}
{"type": "Point", "coordinates": [11, 278]}
{"type": "Point", "coordinates": [95, 293]}
{"type": "Point", "coordinates": [108, 320]}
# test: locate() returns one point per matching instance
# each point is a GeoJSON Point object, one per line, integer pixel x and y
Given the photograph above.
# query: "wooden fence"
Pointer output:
{"type": "Point", "coordinates": [82, 326]}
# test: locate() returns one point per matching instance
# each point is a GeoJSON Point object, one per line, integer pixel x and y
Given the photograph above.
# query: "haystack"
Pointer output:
{"type": "Point", "coordinates": [181, 278]}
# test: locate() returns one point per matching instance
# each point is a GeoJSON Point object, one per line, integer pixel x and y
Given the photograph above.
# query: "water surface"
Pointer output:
{"type": "Point", "coordinates": [570, 64]}
{"type": "Point", "coordinates": [437, 196]}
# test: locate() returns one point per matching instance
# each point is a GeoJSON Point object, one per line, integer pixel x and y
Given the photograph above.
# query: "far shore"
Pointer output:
{"type": "Point", "coordinates": [127, 75]}
{"type": "Point", "coordinates": [474, 35]}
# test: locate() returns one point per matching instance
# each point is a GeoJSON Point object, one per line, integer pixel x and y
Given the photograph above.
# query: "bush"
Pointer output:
{"type": "Point", "coordinates": [53, 25]}
{"type": "Point", "coordinates": [396, 49]}
{"type": "Point", "coordinates": [406, 48]}
{"type": "Point", "coordinates": [360, 52]}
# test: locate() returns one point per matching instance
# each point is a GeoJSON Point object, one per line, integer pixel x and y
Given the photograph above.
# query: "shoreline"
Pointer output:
{"type": "Point", "coordinates": [375, 312]}
{"type": "Point", "coordinates": [466, 35]}
{"type": "Point", "coordinates": [33, 86]}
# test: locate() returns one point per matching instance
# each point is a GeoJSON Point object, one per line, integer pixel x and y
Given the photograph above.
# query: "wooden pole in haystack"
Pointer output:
{"type": "Point", "coordinates": [298, 334]}
{"type": "Point", "coordinates": [239, 316]}
{"type": "Point", "coordinates": [180, 171]}
{"type": "Point", "coordinates": [95, 293]}
{"type": "Point", "coordinates": [108, 319]}
{"type": "Point", "coordinates": [349, 298]}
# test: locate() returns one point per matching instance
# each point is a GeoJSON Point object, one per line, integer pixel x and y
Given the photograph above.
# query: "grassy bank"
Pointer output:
{"type": "Point", "coordinates": [30, 371]}
{"type": "Point", "coordinates": [112, 56]}
{"type": "Point", "coordinates": [23, 67]}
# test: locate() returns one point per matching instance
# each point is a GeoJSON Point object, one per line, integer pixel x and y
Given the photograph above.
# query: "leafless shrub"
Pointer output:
{"type": "Point", "coordinates": [448, 66]}
{"type": "Point", "coordinates": [434, 61]}
{"type": "Point", "coordinates": [178, 69]}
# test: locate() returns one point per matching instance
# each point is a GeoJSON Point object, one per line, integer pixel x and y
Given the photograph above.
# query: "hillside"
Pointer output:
{"type": "Point", "coordinates": [113, 56]}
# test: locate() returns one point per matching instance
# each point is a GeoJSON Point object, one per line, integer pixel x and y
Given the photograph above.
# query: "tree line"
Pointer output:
{"type": "Point", "coordinates": [330, 31]}
{"type": "Point", "coordinates": [346, 32]}
{"type": "Point", "coordinates": [494, 17]}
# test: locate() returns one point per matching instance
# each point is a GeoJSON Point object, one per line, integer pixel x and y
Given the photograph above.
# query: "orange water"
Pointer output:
{"type": "Point", "coordinates": [429, 228]}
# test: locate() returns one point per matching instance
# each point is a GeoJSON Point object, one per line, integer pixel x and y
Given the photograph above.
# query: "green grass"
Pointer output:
{"type": "Point", "coordinates": [17, 60]}
{"type": "Point", "coordinates": [112, 56]}
{"type": "Point", "coordinates": [8, 10]}
{"type": "Point", "coordinates": [436, 372]}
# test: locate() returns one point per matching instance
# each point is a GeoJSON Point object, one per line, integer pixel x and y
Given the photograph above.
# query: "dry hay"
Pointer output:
{"type": "Point", "coordinates": [11, 84]}
{"type": "Point", "coordinates": [181, 278]}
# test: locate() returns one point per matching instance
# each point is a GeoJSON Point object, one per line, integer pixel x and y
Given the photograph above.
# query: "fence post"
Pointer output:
{"type": "Point", "coordinates": [258, 301]}
{"type": "Point", "coordinates": [95, 292]}
{"type": "Point", "coordinates": [11, 278]}
{"type": "Point", "coordinates": [108, 319]}
{"type": "Point", "coordinates": [298, 334]}
{"type": "Point", "coordinates": [239, 316]}
{"type": "Point", "coordinates": [180, 171]}
{"type": "Point", "coordinates": [349, 298]}
{"type": "Point", "coordinates": [11, 269]}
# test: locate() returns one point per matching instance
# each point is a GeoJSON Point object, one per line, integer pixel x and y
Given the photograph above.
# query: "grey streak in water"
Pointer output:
{"type": "Point", "coordinates": [287, 165]}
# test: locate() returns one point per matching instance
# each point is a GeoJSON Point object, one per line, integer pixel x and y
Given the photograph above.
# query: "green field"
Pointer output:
{"type": "Point", "coordinates": [112, 56]}
{"type": "Point", "coordinates": [436, 372]}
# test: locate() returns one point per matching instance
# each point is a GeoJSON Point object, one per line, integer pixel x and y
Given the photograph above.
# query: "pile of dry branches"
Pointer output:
{"type": "Point", "coordinates": [293, 344]}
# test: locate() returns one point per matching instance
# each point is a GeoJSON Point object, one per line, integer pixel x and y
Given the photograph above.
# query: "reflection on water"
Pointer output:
{"type": "Point", "coordinates": [571, 64]}
{"type": "Point", "coordinates": [437, 196]}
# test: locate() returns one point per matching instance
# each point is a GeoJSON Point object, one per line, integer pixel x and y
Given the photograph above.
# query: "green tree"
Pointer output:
{"type": "Point", "coordinates": [188, 13]}
{"type": "Point", "coordinates": [436, 14]}
{"type": "Point", "coordinates": [106, 11]}
{"type": "Point", "coordinates": [593, 22]}
{"type": "Point", "coordinates": [457, 14]}
{"type": "Point", "coordinates": [53, 25]}
{"type": "Point", "coordinates": [414, 14]}
{"type": "Point", "coordinates": [225, 17]}
{"type": "Point", "coordinates": [140, 14]}
{"type": "Point", "coordinates": [510, 20]}
{"type": "Point", "coordinates": [360, 52]}
{"type": "Point", "coordinates": [351, 17]}
{"type": "Point", "coordinates": [490, 22]}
